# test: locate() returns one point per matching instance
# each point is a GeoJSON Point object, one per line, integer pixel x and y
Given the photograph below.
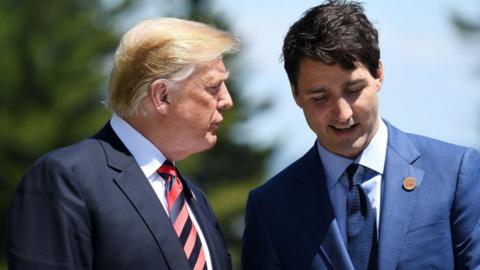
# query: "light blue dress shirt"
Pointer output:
{"type": "Point", "coordinates": [372, 157]}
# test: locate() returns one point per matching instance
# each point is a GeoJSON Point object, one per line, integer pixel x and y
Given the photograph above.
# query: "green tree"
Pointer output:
{"type": "Point", "coordinates": [51, 59]}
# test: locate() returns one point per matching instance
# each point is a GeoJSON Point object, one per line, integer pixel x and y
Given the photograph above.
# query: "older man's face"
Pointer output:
{"type": "Point", "coordinates": [197, 107]}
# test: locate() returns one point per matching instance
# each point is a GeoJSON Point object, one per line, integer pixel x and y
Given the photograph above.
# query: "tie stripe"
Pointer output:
{"type": "Point", "coordinates": [192, 237]}
{"type": "Point", "coordinates": [200, 262]}
{"type": "Point", "coordinates": [196, 254]}
{"type": "Point", "coordinates": [174, 193]}
{"type": "Point", "coordinates": [181, 221]}
{"type": "Point", "coordinates": [177, 207]}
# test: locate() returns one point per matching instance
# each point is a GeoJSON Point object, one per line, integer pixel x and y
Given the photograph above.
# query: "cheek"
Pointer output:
{"type": "Point", "coordinates": [201, 113]}
{"type": "Point", "coordinates": [316, 116]}
{"type": "Point", "coordinates": [373, 106]}
{"type": "Point", "coordinates": [366, 107]}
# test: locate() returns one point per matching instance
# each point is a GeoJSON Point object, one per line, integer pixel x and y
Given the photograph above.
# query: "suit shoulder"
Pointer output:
{"type": "Point", "coordinates": [74, 153]}
{"type": "Point", "coordinates": [451, 157]}
{"type": "Point", "coordinates": [64, 163]}
{"type": "Point", "coordinates": [432, 146]}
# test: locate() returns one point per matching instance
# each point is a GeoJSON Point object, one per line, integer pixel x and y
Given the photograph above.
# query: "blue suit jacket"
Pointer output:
{"type": "Point", "coordinates": [290, 223]}
{"type": "Point", "coordinates": [89, 206]}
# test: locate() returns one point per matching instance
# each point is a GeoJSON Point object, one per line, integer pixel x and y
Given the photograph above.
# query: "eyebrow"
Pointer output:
{"type": "Point", "coordinates": [223, 77]}
{"type": "Point", "coordinates": [353, 82]}
{"type": "Point", "coordinates": [344, 85]}
{"type": "Point", "coordinates": [316, 90]}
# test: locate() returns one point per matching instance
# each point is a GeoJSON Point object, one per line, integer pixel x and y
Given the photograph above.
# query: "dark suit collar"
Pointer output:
{"type": "Point", "coordinates": [212, 237]}
{"type": "Point", "coordinates": [398, 204]}
{"type": "Point", "coordinates": [310, 196]}
{"type": "Point", "coordinates": [207, 223]}
{"type": "Point", "coordinates": [135, 186]}
{"type": "Point", "coordinates": [118, 156]}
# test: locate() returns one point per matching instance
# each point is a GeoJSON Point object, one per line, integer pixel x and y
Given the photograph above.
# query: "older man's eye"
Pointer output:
{"type": "Point", "coordinates": [214, 89]}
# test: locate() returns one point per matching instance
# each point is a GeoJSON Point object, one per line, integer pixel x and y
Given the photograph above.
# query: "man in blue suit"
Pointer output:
{"type": "Point", "coordinates": [116, 200]}
{"type": "Point", "coordinates": [366, 195]}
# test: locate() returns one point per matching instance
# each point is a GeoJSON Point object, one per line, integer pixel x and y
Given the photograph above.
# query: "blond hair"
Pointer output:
{"type": "Point", "coordinates": [162, 48]}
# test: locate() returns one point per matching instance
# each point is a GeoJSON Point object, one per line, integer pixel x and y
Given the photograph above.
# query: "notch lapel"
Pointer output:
{"type": "Point", "coordinates": [398, 204]}
{"type": "Point", "coordinates": [209, 233]}
{"type": "Point", "coordinates": [310, 196]}
{"type": "Point", "coordinates": [137, 189]}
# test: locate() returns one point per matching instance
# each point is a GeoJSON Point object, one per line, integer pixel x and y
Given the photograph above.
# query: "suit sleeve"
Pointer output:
{"type": "Point", "coordinates": [48, 222]}
{"type": "Point", "coordinates": [258, 252]}
{"type": "Point", "coordinates": [466, 213]}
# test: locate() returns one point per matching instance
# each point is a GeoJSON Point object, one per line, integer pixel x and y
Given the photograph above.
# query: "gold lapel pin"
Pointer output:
{"type": "Point", "coordinates": [409, 183]}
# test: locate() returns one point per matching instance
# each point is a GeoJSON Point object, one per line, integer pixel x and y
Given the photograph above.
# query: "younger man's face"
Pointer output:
{"type": "Point", "coordinates": [340, 106]}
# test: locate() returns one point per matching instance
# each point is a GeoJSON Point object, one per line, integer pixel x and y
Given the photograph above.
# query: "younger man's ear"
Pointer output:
{"type": "Point", "coordinates": [379, 79]}
{"type": "Point", "coordinates": [380, 73]}
{"type": "Point", "coordinates": [158, 93]}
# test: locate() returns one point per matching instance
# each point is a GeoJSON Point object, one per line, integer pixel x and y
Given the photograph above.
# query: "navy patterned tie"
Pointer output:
{"type": "Point", "coordinates": [361, 225]}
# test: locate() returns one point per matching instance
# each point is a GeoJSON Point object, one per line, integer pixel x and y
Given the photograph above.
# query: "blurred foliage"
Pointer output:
{"type": "Point", "coordinates": [469, 28]}
{"type": "Point", "coordinates": [51, 56]}
{"type": "Point", "coordinates": [466, 25]}
{"type": "Point", "coordinates": [53, 76]}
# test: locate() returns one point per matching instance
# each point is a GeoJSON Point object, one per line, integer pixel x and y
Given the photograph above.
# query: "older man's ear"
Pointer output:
{"type": "Point", "coordinates": [159, 96]}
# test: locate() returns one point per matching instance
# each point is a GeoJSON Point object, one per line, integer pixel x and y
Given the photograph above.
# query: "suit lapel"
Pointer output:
{"type": "Point", "coordinates": [209, 232]}
{"type": "Point", "coordinates": [138, 191]}
{"type": "Point", "coordinates": [398, 204]}
{"type": "Point", "coordinates": [310, 196]}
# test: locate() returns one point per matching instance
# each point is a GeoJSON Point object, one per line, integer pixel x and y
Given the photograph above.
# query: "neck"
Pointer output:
{"type": "Point", "coordinates": [160, 135]}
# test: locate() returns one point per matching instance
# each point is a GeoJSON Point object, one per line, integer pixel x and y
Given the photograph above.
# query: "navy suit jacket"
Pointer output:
{"type": "Point", "coordinates": [290, 223]}
{"type": "Point", "coordinates": [89, 206]}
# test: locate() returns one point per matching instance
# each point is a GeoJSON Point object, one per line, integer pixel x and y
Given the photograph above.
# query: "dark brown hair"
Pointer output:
{"type": "Point", "coordinates": [335, 32]}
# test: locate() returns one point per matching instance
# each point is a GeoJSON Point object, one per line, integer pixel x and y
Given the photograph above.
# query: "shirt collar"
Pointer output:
{"type": "Point", "coordinates": [333, 165]}
{"type": "Point", "coordinates": [148, 157]}
{"type": "Point", "coordinates": [372, 157]}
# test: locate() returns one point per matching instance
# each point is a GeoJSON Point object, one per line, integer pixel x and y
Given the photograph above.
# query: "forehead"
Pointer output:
{"type": "Point", "coordinates": [314, 73]}
{"type": "Point", "coordinates": [213, 71]}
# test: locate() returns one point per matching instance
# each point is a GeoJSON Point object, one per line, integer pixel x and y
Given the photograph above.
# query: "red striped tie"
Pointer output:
{"type": "Point", "coordinates": [183, 225]}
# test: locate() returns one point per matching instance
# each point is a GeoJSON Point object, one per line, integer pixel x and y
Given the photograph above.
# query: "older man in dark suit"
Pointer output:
{"type": "Point", "coordinates": [116, 200]}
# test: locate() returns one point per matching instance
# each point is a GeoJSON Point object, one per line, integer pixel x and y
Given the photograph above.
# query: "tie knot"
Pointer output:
{"type": "Point", "coordinates": [355, 173]}
{"type": "Point", "coordinates": [167, 169]}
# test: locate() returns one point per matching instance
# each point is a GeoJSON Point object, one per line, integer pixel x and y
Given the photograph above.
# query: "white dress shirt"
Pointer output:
{"type": "Point", "coordinates": [149, 158]}
{"type": "Point", "coordinates": [372, 157]}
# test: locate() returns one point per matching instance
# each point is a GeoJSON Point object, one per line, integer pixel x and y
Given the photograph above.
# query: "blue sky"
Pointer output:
{"type": "Point", "coordinates": [430, 87]}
